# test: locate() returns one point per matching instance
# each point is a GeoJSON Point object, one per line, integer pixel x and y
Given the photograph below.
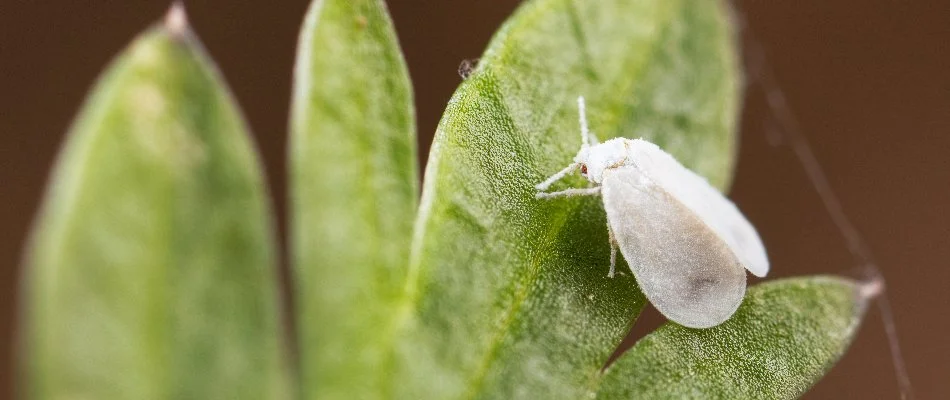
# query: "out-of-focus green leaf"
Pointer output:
{"type": "Point", "coordinates": [151, 271]}
{"type": "Point", "coordinates": [354, 192]}
{"type": "Point", "coordinates": [508, 296]}
{"type": "Point", "coordinates": [782, 340]}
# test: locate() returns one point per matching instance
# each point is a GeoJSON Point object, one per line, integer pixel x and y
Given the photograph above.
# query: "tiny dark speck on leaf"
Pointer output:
{"type": "Point", "coordinates": [467, 67]}
{"type": "Point", "coordinates": [682, 121]}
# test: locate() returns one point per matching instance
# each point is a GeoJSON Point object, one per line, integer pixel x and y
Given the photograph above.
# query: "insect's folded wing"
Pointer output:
{"type": "Point", "coordinates": [707, 202]}
{"type": "Point", "coordinates": [683, 267]}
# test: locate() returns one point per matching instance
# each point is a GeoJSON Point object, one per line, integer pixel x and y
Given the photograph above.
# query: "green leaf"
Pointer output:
{"type": "Point", "coordinates": [151, 273]}
{"type": "Point", "coordinates": [783, 338]}
{"type": "Point", "coordinates": [354, 190]}
{"type": "Point", "coordinates": [508, 296]}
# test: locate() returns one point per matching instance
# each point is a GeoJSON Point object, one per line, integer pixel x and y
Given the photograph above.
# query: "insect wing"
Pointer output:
{"type": "Point", "coordinates": [683, 267]}
{"type": "Point", "coordinates": [696, 194]}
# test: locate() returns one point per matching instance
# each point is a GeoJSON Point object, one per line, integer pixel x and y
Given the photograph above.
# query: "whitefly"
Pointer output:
{"type": "Point", "coordinates": [687, 245]}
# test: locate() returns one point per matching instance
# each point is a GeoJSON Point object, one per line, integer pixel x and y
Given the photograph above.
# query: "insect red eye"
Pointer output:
{"type": "Point", "coordinates": [583, 169]}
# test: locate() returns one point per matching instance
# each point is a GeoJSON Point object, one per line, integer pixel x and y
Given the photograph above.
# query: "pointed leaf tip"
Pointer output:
{"type": "Point", "coordinates": [871, 288]}
{"type": "Point", "coordinates": [176, 20]}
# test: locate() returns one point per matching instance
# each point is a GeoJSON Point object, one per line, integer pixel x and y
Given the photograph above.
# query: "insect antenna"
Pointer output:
{"type": "Point", "coordinates": [582, 119]}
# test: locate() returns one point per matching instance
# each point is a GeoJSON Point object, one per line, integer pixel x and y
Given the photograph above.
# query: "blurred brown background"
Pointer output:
{"type": "Point", "coordinates": [869, 81]}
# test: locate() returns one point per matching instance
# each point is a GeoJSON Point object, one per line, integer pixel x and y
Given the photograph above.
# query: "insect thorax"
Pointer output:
{"type": "Point", "coordinates": [600, 157]}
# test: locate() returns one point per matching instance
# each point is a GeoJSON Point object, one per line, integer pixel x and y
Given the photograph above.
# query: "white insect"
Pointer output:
{"type": "Point", "coordinates": [687, 245]}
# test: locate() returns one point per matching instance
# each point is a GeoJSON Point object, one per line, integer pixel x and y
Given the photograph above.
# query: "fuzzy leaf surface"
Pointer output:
{"type": "Point", "coordinates": [354, 192]}
{"type": "Point", "coordinates": [508, 296]}
{"type": "Point", "coordinates": [786, 335]}
{"type": "Point", "coordinates": [151, 272]}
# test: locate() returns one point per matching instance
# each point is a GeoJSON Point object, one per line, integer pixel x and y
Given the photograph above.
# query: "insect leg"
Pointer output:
{"type": "Point", "coordinates": [594, 191]}
{"type": "Point", "coordinates": [556, 177]}
{"type": "Point", "coordinates": [613, 251]}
